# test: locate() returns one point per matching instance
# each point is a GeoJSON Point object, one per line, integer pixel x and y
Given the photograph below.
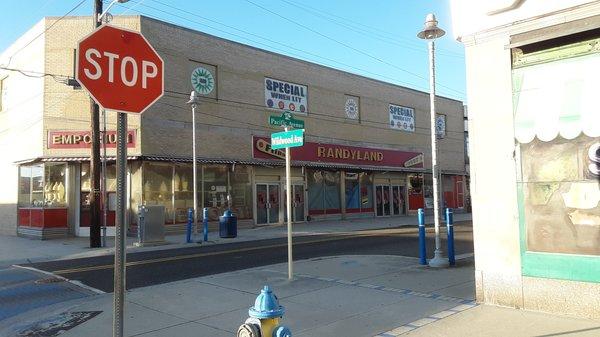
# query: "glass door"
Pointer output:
{"type": "Point", "coordinates": [386, 201]}
{"type": "Point", "coordinates": [398, 200]}
{"type": "Point", "coordinates": [383, 198]}
{"type": "Point", "coordinates": [273, 203]}
{"type": "Point", "coordinates": [262, 216]}
{"type": "Point", "coordinates": [297, 203]}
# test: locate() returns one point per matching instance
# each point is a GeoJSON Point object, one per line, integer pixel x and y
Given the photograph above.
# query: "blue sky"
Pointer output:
{"type": "Point", "coordinates": [372, 38]}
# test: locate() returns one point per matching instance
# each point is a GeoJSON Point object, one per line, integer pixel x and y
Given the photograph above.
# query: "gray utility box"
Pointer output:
{"type": "Point", "coordinates": [151, 225]}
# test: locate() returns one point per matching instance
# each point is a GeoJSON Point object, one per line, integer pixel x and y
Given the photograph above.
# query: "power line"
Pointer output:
{"type": "Point", "coordinates": [42, 33]}
{"type": "Point", "coordinates": [349, 25]}
{"type": "Point", "coordinates": [257, 107]}
{"type": "Point", "coordinates": [348, 46]}
{"type": "Point", "coordinates": [260, 43]}
{"type": "Point", "coordinates": [314, 114]}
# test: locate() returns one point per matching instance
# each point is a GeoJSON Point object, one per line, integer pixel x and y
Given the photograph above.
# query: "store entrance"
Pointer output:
{"type": "Point", "coordinates": [382, 200]}
{"type": "Point", "coordinates": [297, 203]}
{"type": "Point", "coordinates": [267, 204]}
{"type": "Point", "coordinates": [398, 200]}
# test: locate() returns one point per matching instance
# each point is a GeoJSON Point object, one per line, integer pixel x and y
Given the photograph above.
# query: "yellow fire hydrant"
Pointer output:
{"type": "Point", "coordinates": [264, 317]}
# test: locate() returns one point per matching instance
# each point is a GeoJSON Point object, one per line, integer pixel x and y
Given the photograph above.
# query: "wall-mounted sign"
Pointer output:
{"type": "Point", "coordinates": [286, 95]}
{"type": "Point", "coordinates": [351, 107]}
{"type": "Point", "coordinates": [203, 81]}
{"type": "Point", "coordinates": [342, 154]}
{"type": "Point", "coordinates": [83, 139]}
{"type": "Point", "coordinates": [402, 118]}
{"type": "Point", "coordinates": [440, 126]}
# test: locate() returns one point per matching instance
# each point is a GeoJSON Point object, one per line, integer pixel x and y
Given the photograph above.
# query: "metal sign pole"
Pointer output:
{"type": "Point", "coordinates": [195, 169]}
{"type": "Point", "coordinates": [119, 280]}
{"type": "Point", "coordinates": [104, 195]}
{"type": "Point", "coordinates": [288, 192]}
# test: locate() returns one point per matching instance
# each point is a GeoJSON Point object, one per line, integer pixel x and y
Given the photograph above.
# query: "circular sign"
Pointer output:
{"type": "Point", "coordinates": [203, 81]}
{"type": "Point", "coordinates": [351, 108]}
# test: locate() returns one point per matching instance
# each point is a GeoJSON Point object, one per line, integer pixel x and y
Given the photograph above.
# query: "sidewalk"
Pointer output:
{"type": "Point", "coordinates": [15, 250]}
{"type": "Point", "coordinates": [350, 296]}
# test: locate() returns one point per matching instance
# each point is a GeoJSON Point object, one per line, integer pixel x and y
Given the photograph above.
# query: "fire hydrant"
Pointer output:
{"type": "Point", "coordinates": [264, 317]}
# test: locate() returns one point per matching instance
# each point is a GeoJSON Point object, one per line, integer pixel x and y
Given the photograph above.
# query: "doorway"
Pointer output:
{"type": "Point", "coordinates": [297, 203]}
{"type": "Point", "coordinates": [267, 204]}
{"type": "Point", "coordinates": [382, 200]}
{"type": "Point", "coordinates": [398, 200]}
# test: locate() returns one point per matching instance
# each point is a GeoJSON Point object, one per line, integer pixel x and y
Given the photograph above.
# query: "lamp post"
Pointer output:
{"type": "Point", "coordinates": [194, 102]}
{"type": "Point", "coordinates": [430, 33]}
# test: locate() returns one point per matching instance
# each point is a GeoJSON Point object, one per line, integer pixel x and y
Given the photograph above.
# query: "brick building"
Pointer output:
{"type": "Point", "coordinates": [366, 149]}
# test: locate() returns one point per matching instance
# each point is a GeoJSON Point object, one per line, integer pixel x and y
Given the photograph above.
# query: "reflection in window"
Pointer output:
{"type": "Point", "coordinates": [241, 192]}
{"type": "Point", "coordinates": [323, 192]}
{"type": "Point", "coordinates": [158, 187]}
{"type": "Point", "coordinates": [215, 190]}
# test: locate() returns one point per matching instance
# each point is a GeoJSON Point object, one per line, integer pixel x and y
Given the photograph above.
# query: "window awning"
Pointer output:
{"type": "Point", "coordinates": [557, 98]}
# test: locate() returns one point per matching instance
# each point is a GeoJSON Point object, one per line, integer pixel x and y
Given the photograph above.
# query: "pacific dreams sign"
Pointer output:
{"type": "Point", "coordinates": [340, 154]}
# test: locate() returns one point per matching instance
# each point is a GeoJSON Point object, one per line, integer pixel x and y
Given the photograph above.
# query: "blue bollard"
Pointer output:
{"type": "Point", "coordinates": [205, 223]}
{"type": "Point", "coordinates": [422, 248]}
{"type": "Point", "coordinates": [190, 224]}
{"type": "Point", "coordinates": [450, 227]}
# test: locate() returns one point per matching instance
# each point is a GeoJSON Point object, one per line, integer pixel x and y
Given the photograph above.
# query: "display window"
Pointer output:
{"type": "Point", "coordinates": [43, 185]}
{"type": "Point", "coordinates": [359, 192]}
{"type": "Point", "coordinates": [323, 192]}
{"type": "Point", "coordinates": [557, 130]}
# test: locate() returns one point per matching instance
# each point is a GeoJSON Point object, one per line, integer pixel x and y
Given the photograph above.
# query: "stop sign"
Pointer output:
{"type": "Point", "coordinates": [120, 69]}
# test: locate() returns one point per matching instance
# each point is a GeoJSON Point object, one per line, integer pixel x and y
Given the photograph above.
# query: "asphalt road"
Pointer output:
{"type": "Point", "coordinates": [161, 266]}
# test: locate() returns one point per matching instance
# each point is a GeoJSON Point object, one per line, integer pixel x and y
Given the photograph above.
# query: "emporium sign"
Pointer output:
{"type": "Point", "coordinates": [83, 139]}
{"type": "Point", "coordinates": [340, 154]}
{"type": "Point", "coordinates": [286, 95]}
{"type": "Point", "coordinates": [402, 118]}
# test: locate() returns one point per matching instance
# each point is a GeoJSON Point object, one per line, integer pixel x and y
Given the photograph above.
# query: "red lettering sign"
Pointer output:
{"type": "Point", "coordinates": [341, 154]}
{"type": "Point", "coordinates": [83, 139]}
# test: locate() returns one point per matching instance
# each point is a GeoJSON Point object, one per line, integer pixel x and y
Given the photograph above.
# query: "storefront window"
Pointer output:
{"type": "Point", "coordinates": [215, 190]}
{"type": "Point", "coordinates": [366, 191]}
{"type": "Point", "coordinates": [415, 191]}
{"type": "Point", "coordinates": [428, 190]}
{"type": "Point", "coordinates": [241, 192]}
{"type": "Point", "coordinates": [158, 187]}
{"type": "Point", "coordinates": [323, 192]}
{"type": "Point", "coordinates": [359, 192]}
{"type": "Point", "coordinates": [31, 186]}
{"type": "Point", "coordinates": [557, 128]}
{"type": "Point", "coordinates": [184, 191]}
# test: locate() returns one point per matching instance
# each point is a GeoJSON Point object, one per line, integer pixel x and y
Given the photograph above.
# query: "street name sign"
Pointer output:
{"type": "Point", "coordinates": [285, 139]}
{"type": "Point", "coordinates": [120, 69]}
{"type": "Point", "coordinates": [286, 119]}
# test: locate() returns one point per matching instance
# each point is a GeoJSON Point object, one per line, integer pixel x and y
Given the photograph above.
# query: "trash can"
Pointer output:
{"type": "Point", "coordinates": [228, 225]}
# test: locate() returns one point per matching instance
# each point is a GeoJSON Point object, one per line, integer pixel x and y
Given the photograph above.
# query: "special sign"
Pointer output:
{"type": "Point", "coordinates": [120, 69]}
{"type": "Point", "coordinates": [286, 95]}
{"type": "Point", "coordinates": [402, 118]}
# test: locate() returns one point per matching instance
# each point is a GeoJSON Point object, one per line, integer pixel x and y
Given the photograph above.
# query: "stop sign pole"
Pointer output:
{"type": "Point", "coordinates": [123, 73]}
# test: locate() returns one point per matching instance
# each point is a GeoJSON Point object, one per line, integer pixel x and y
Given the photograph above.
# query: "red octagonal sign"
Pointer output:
{"type": "Point", "coordinates": [120, 69]}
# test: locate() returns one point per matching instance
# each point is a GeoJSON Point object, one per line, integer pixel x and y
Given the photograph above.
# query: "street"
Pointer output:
{"type": "Point", "coordinates": [161, 266]}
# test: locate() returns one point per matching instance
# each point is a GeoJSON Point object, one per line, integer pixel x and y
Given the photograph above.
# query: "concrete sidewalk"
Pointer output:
{"type": "Point", "coordinates": [350, 296]}
{"type": "Point", "coordinates": [17, 250]}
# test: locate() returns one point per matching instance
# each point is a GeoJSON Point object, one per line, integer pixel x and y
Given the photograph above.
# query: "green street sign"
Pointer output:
{"type": "Point", "coordinates": [286, 119]}
{"type": "Point", "coordinates": [282, 140]}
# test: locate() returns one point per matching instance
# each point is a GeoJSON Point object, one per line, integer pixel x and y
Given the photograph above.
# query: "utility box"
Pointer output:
{"type": "Point", "coordinates": [151, 225]}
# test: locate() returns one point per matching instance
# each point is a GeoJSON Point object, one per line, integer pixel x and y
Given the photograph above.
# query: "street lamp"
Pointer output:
{"type": "Point", "coordinates": [193, 102]}
{"type": "Point", "coordinates": [430, 33]}
{"type": "Point", "coordinates": [106, 13]}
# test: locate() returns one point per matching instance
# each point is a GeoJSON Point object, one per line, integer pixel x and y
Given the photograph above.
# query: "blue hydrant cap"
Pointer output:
{"type": "Point", "coordinates": [227, 213]}
{"type": "Point", "coordinates": [266, 305]}
{"type": "Point", "coordinates": [282, 331]}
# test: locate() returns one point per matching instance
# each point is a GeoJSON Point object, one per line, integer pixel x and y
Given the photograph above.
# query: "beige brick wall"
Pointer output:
{"type": "Point", "coordinates": [240, 78]}
{"type": "Point", "coordinates": [20, 117]}
{"type": "Point", "coordinates": [67, 108]}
